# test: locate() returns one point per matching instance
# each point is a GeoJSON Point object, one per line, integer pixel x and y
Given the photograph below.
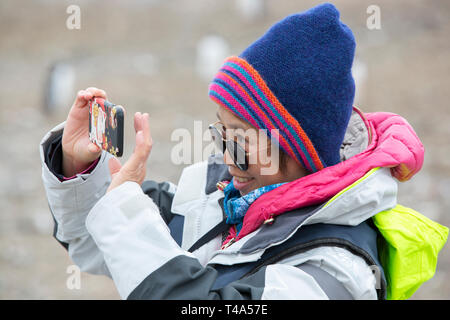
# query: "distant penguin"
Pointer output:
{"type": "Point", "coordinates": [59, 90]}
{"type": "Point", "coordinates": [211, 51]}
{"type": "Point", "coordinates": [251, 9]}
{"type": "Point", "coordinates": [359, 72]}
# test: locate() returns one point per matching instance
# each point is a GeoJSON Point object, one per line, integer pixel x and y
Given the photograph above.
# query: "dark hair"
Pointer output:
{"type": "Point", "coordinates": [283, 160]}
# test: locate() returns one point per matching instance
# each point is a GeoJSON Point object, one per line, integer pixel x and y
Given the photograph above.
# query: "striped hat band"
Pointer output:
{"type": "Point", "coordinates": [239, 88]}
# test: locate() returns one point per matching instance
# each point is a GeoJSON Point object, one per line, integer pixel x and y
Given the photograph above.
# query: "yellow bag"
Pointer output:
{"type": "Point", "coordinates": [408, 250]}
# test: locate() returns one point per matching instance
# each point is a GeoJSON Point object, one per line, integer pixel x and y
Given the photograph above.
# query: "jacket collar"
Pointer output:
{"type": "Point", "coordinates": [377, 191]}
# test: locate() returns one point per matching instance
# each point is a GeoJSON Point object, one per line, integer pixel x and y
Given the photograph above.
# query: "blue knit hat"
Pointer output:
{"type": "Point", "coordinates": [296, 78]}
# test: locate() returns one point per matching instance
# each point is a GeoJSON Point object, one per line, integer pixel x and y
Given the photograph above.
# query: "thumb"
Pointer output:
{"type": "Point", "coordinates": [114, 166]}
{"type": "Point", "coordinates": [93, 148]}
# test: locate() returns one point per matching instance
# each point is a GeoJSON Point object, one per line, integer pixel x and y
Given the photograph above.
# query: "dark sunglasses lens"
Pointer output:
{"type": "Point", "coordinates": [238, 155]}
{"type": "Point", "coordinates": [217, 138]}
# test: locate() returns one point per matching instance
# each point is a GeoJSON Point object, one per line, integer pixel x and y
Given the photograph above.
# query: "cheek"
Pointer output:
{"type": "Point", "coordinates": [266, 169]}
{"type": "Point", "coordinates": [255, 171]}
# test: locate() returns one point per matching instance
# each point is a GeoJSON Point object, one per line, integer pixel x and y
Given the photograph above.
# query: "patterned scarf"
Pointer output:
{"type": "Point", "coordinates": [236, 206]}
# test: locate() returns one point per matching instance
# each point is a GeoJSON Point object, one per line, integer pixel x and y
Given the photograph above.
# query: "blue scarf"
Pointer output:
{"type": "Point", "coordinates": [236, 206]}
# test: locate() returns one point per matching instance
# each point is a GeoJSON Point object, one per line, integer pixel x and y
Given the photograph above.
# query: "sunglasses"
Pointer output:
{"type": "Point", "coordinates": [236, 151]}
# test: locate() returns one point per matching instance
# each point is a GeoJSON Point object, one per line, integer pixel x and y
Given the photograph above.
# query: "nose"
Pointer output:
{"type": "Point", "coordinates": [227, 159]}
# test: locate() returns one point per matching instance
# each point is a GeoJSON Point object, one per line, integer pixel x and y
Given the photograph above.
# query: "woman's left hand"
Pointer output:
{"type": "Point", "coordinates": [135, 168]}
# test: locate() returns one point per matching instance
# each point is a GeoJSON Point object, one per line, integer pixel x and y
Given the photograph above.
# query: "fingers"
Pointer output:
{"type": "Point", "coordinates": [95, 92]}
{"type": "Point", "coordinates": [83, 96]}
{"type": "Point", "coordinates": [143, 141]}
{"type": "Point", "coordinates": [137, 122]}
{"type": "Point", "coordinates": [146, 129]}
{"type": "Point", "coordinates": [135, 168]}
{"type": "Point", "coordinates": [114, 166]}
{"type": "Point", "coordinates": [93, 148]}
{"type": "Point", "coordinates": [141, 124]}
{"type": "Point", "coordinates": [140, 119]}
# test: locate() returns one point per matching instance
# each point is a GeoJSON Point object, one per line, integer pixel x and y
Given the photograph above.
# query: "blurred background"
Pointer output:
{"type": "Point", "coordinates": [158, 57]}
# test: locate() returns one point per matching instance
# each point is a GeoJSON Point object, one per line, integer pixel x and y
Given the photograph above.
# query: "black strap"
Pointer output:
{"type": "Point", "coordinates": [211, 234]}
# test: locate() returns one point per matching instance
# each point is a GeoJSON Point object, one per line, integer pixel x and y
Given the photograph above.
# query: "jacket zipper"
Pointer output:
{"type": "Point", "coordinates": [232, 240]}
{"type": "Point", "coordinates": [229, 243]}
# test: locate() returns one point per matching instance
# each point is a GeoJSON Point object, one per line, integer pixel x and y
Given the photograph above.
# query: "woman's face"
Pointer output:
{"type": "Point", "coordinates": [264, 164]}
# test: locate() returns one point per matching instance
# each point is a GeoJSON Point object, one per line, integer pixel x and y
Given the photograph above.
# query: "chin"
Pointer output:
{"type": "Point", "coordinates": [247, 190]}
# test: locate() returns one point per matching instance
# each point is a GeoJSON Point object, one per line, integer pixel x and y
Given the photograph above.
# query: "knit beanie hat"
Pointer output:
{"type": "Point", "coordinates": [296, 78]}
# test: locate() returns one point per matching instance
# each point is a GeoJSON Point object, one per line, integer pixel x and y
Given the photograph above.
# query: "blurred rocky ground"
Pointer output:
{"type": "Point", "coordinates": [145, 54]}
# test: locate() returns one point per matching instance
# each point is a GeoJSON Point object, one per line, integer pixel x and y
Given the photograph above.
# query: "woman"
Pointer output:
{"type": "Point", "coordinates": [230, 229]}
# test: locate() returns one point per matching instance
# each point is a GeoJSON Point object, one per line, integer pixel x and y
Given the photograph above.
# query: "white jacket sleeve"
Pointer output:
{"type": "Point", "coordinates": [70, 202]}
{"type": "Point", "coordinates": [146, 263]}
{"type": "Point", "coordinates": [129, 230]}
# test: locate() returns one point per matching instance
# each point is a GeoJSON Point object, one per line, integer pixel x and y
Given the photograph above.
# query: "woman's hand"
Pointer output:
{"type": "Point", "coordinates": [135, 168]}
{"type": "Point", "coordinates": [78, 151]}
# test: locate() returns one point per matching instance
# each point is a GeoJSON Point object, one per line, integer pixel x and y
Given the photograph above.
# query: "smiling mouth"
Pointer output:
{"type": "Point", "coordinates": [242, 180]}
